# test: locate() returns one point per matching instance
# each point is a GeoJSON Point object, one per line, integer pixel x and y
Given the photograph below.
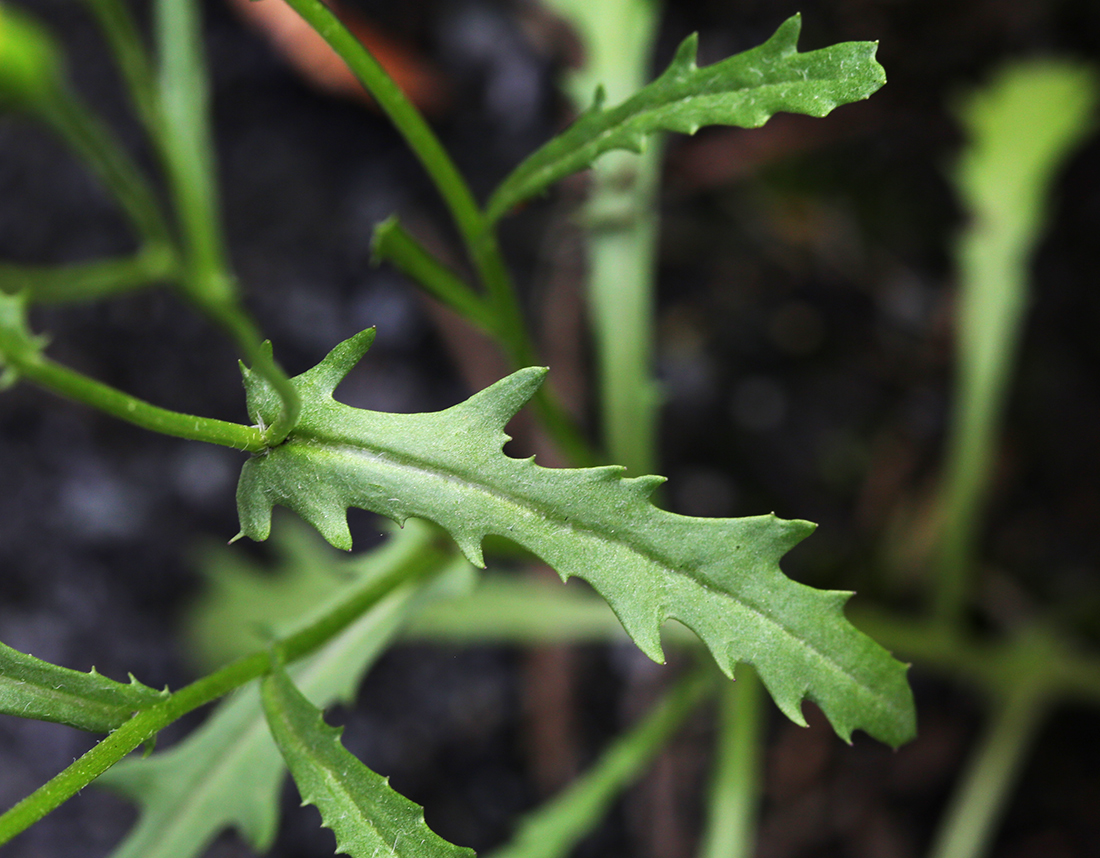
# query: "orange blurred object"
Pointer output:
{"type": "Point", "coordinates": [321, 66]}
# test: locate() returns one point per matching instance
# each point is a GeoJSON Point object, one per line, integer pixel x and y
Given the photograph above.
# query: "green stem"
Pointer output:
{"type": "Point", "coordinates": [996, 666]}
{"type": "Point", "coordinates": [1020, 130]}
{"type": "Point", "coordinates": [392, 243]}
{"type": "Point", "coordinates": [406, 118]}
{"type": "Point", "coordinates": [983, 793]}
{"type": "Point", "coordinates": [129, 52]}
{"type": "Point", "coordinates": [735, 785]}
{"type": "Point", "coordinates": [185, 139]}
{"type": "Point", "coordinates": [477, 233]}
{"type": "Point", "coordinates": [55, 284]}
{"type": "Point", "coordinates": [621, 240]}
{"type": "Point", "coordinates": [125, 739]}
{"type": "Point", "coordinates": [238, 324]}
{"type": "Point", "coordinates": [185, 142]}
{"type": "Point", "coordinates": [409, 122]}
{"type": "Point", "coordinates": [84, 132]}
{"type": "Point", "coordinates": [621, 230]}
{"type": "Point", "coordinates": [74, 385]}
{"type": "Point", "coordinates": [553, 829]}
{"type": "Point", "coordinates": [145, 725]}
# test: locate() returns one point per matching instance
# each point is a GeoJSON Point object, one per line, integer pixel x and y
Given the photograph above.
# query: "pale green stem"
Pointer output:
{"type": "Point", "coordinates": [735, 783]}
{"type": "Point", "coordinates": [621, 239]}
{"type": "Point", "coordinates": [188, 151]}
{"type": "Point", "coordinates": [620, 223]}
{"type": "Point", "coordinates": [129, 52]}
{"type": "Point", "coordinates": [408, 121]}
{"type": "Point", "coordinates": [1021, 127]}
{"type": "Point", "coordinates": [392, 243]}
{"type": "Point", "coordinates": [983, 793]}
{"type": "Point", "coordinates": [994, 665]}
{"type": "Point", "coordinates": [987, 350]}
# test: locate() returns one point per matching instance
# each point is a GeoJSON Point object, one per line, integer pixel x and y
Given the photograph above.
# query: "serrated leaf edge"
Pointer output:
{"type": "Point", "coordinates": [488, 411]}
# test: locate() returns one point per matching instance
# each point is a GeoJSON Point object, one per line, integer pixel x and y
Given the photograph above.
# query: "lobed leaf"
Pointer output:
{"type": "Point", "coordinates": [719, 577]}
{"type": "Point", "coordinates": [369, 818]}
{"type": "Point", "coordinates": [745, 90]}
{"type": "Point", "coordinates": [33, 688]}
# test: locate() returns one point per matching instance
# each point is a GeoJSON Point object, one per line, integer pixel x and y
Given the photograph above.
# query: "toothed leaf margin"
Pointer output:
{"type": "Point", "coordinates": [33, 688]}
{"type": "Point", "coordinates": [744, 90]}
{"type": "Point", "coordinates": [369, 818]}
{"type": "Point", "coordinates": [720, 577]}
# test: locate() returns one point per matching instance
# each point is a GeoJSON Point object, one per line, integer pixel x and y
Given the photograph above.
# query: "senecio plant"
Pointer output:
{"type": "Point", "coordinates": [719, 577]}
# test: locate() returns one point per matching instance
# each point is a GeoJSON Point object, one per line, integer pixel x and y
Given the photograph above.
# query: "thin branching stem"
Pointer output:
{"type": "Point", "coordinates": [185, 140]}
{"type": "Point", "coordinates": [118, 25]}
{"type": "Point", "coordinates": [89, 281]}
{"type": "Point", "coordinates": [74, 385]}
{"type": "Point", "coordinates": [553, 829]}
{"type": "Point", "coordinates": [986, 784]}
{"type": "Point", "coordinates": [508, 323]}
{"type": "Point", "coordinates": [94, 142]}
{"type": "Point", "coordinates": [146, 724]}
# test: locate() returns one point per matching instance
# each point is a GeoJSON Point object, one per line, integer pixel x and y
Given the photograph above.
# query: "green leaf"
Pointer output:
{"type": "Point", "coordinates": [227, 773]}
{"type": "Point", "coordinates": [32, 688]}
{"type": "Point", "coordinates": [720, 577]}
{"type": "Point", "coordinates": [743, 90]}
{"type": "Point", "coordinates": [369, 818]}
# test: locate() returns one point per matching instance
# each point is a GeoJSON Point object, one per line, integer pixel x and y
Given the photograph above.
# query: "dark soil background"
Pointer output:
{"type": "Point", "coordinates": [805, 345]}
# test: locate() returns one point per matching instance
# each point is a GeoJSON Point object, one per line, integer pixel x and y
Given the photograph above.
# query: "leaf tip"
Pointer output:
{"type": "Point", "coordinates": [498, 403]}
{"type": "Point", "coordinates": [684, 62]}
{"type": "Point", "coordinates": [644, 486]}
{"type": "Point", "coordinates": [339, 362]}
{"type": "Point", "coordinates": [470, 545]}
{"type": "Point", "coordinates": [382, 231]}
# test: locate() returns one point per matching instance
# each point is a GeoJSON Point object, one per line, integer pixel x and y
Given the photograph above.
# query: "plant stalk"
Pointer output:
{"type": "Point", "coordinates": [122, 34]}
{"type": "Point", "coordinates": [392, 243]}
{"type": "Point", "coordinates": [477, 233]}
{"type": "Point", "coordinates": [89, 281]}
{"type": "Point", "coordinates": [982, 794]}
{"type": "Point", "coordinates": [620, 224]}
{"type": "Point", "coordinates": [185, 139]}
{"type": "Point", "coordinates": [735, 784]}
{"type": "Point", "coordinates": [94, 142]}
{"type": "Point", "coordinates": [77, 386]}
{"type": "Point", "coordinates": [621, 245]}
{"type": "Point", "coordinates": [553, 829]}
